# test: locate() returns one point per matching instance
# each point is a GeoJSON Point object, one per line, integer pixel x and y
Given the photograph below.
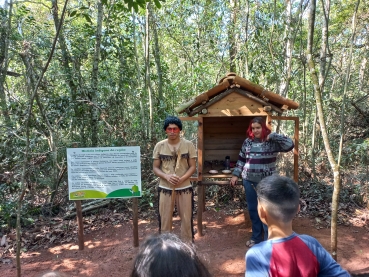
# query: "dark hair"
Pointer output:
{"type": "Point", "coordinates": [172, 120]}
{"type": "Point", "coordinates": [280, 195]}
{"type": "Point", "coordinates": [264, 132]}
{"type": "Point", "coordinates": [165, 255]}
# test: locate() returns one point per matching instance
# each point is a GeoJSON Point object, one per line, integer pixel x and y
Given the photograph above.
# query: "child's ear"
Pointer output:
{"type": "Point", "coordinates": [262, 212]}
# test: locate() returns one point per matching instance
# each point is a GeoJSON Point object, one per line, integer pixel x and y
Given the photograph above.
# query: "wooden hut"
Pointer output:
{"type": "Point", "coordinates": [223, 114]}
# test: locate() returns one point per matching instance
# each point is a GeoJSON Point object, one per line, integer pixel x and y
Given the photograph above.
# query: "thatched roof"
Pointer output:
{"type": "Point", "coordinates": [233, 83]}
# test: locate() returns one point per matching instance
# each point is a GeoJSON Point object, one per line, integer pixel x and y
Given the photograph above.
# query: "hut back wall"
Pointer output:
{"type": "Point", "coordinates": [223, 136]}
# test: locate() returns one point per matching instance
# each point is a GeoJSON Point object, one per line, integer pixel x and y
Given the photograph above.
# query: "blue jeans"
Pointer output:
{"type": "Point", "coordinates": [252, 206]}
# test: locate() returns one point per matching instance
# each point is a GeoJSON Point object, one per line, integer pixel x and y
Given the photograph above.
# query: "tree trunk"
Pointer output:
{"type": "Point", "coordinates": [32, 77]}
{"type": "Point", "coordinates": [232, 36]}
{"type": "Point", "coordinates": [246, 60]}
{"type": "Point", "coordinates": [347, 80]}
{"type": "Point", "coordinates": [157, 60]}
{"type": "Point", "coordinates": [5, 29]}
{"type": "Point", "coordinates": [362, 71]}
{"type": "Point", "coordinates": [322, 73]}
{"type": "Point", "coordinates": [138, 81]}
{"type": "Point", "coordinates": [270, 43]}
{"type": "Point", "coordinates": [319, 104]}
{"type": "Point", "coordinates": [147, 69]}
{"type": "Point", "coordinates": [73, 74]}
{"type": "Point", "coordinates": [324, 45]}
{"type": "Point", "coordinates": [313, 146]}
{"type": "Point", "coordinates": [288, 37]}
{"type": "Point", "coordinates": [305, 124]}
{"type": "Point", "coordinates": [95, 77]}
{"type": "Point", "coordinates": [26, 157]}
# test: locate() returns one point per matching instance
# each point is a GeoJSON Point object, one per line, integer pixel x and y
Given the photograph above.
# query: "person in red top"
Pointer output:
{"type": "Point", "coordinates": [285, 253]}
{"type": "Point", "coordinates": [256, 160]}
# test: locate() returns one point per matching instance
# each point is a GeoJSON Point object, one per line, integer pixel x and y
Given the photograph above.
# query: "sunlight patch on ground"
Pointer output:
{"type": "Point", "coordinates": [213, 224]}
{"type": "Point", "coordinates": [93, 245]}
{"type": "Point", "coordinates": [77, 263]}
{"type": "Point", "coordinates": [228, 220]}
{"type": "Point", "coordinates": [353, 263]}
{"type": "Point", "coordinates": [29, 255]}
{"type": "Point", "coordinates": [73, 247]}
{"type": "Point", "coordinates": [143, 221]}
{"type": "Point", "coordinates": [56, 250]}
{"type": "Point", "coordinates": [235, 220]}
{"type": "Point", "coordinates": [230, 265]}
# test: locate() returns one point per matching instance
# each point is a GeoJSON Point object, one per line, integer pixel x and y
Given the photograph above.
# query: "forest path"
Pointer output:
{"type": "Point", "coordinates": [109, 251]}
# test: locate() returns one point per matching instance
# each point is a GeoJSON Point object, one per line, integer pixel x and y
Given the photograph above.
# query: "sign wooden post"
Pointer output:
{"type": "Point", "coordinates": [81, 239]}
{"type": "Point", "coordinates": [134, 213]}
{"type": "Point", "coordinates": [104, 173]}
{"type": "Point", "coordinates": [135, 221]}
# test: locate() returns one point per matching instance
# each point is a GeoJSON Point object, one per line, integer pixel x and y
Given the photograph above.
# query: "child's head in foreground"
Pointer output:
{"type": "Point", "coordinates": [279, 196]}
{"type": "Point", "coordinates": [166, 255]}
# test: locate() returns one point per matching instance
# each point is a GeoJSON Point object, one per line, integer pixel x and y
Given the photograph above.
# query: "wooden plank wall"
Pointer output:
{"type": "Point", "coordinates": [236, 104]}
{"type": "Point", "coordinates": [223, 136]}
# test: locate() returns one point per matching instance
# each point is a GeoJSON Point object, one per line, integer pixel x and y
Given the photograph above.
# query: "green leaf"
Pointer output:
{"type": "Point", "coordinates": [73, 13]}
{"type": "Point", "coordinates": [157, 3]}
{"type": "Point", "coordinates": [135, 6]}
{"type": "Point", "coordinates": [87, 17]}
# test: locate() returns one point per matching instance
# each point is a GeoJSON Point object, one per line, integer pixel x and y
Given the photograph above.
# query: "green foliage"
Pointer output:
{"type": "Point", "coordinates": [148, 196]}
{"type": "Point", "coordinates": [8, 203]}
{"type": "Point", "coordinates": [194, 43]}
{"type": "Point", "coordinates": [356, 154]}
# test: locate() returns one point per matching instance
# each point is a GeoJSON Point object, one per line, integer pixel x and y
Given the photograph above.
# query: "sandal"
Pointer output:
{"type": "Point", "coordinates": [250, 243]}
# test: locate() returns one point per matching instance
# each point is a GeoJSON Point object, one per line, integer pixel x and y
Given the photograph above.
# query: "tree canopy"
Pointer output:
{"type": "Point", "coordinates": [119, 67]}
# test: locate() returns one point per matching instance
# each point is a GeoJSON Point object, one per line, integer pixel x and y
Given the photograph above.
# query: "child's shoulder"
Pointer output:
{"type": "Point", "coordinates": [308, 239]}
{"type": "Point", "coordinates": [314, 245]}
{"type": "Point", "coordinates": [262, 247]}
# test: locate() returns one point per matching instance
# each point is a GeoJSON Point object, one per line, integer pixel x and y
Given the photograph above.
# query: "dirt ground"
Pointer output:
{"type": "Point", "coordinates": [109, 251]}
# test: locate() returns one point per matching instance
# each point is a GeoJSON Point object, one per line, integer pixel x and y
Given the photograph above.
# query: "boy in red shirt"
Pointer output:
{"type": "Point", "coordinates": [286, 253]}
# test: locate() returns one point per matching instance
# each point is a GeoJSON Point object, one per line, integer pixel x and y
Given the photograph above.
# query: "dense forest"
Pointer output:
{"type": "Point", "coordinates": [107, 72]}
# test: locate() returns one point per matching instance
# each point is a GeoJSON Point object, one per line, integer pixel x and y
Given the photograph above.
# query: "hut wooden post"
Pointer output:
{"type": "Point", "coordinates": [296, 150]}
{"type": "Point", "coordinates": [200, 206]}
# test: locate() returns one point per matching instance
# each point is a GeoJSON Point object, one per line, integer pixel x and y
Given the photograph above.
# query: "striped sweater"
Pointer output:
{"type": "Point", "coordinates": [257, 159]}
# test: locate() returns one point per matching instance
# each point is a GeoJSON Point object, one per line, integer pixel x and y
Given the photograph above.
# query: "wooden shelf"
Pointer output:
{"type": "Point", "coordinates": [218, 175]}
